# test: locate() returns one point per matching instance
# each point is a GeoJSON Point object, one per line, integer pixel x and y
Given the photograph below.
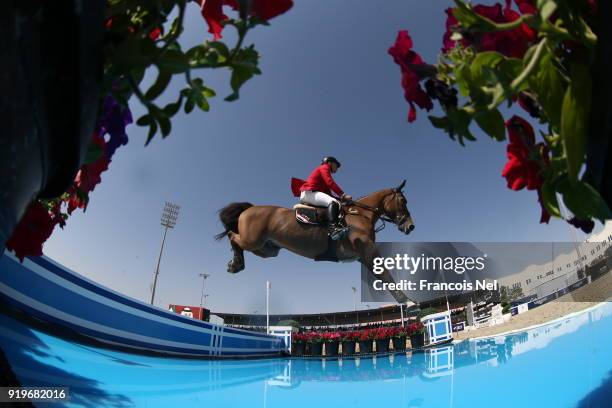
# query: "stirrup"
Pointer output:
{"type": "Point", "coordinates": [338, 231]}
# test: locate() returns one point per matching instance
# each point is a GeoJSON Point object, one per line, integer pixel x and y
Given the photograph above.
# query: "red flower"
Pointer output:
{"type": "Point", "coordinates": [527, 6]}
{"type": "Point", "coordinates": [268, 9]}
{"type": "Point", "coordinates": [411, 65]}
{"type": "Point", "coordinates": [383, 333]}
{"type": "Point", "coordinates": [88, 177]}
{"type": "Point", "coordinates": [155, 33]}
{"type": "Point", "coordinates": [521, 170]}
{"type": "Point", "coordinates": [451, 23]}
{"type": "Point", "coordinates": [331, 336]}
{"type": "Point", "coordinates": [525, 160]}
{"type": "Point", "coordinates": [212, 11]}
{"type": "Point", "coordinates": [413, 328]}
{"type": "Point", "coordinates": [511, 43]}
{"type": "Point", "coordinates": [32, 231]}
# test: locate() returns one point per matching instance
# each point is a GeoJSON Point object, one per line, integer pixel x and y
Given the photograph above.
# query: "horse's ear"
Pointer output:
{"type": "Point", "coordinates": [401, 186]}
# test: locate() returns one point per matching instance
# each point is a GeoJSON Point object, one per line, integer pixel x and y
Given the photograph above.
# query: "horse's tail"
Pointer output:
{"type": "Point", "coordinates": [229, 217]}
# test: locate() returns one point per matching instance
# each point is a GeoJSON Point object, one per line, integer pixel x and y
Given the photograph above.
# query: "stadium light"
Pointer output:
{"type": "Point", "coordinates": [168, 220]}
{"type": "Point", "coordinates": [268, 287]}
{"type": "Point", "coordinates": [203, 276]}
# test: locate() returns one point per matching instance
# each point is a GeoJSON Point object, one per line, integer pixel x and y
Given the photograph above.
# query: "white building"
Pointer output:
{"type": "Point", "coordinates": [564, 270]}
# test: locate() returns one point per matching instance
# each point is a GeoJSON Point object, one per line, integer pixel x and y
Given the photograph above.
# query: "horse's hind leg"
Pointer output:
{"type": "Point", "coordinates": [237, 262]}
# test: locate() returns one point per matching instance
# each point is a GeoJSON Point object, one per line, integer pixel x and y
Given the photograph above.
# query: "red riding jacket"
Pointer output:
{"type": "Point", "coordinates": [319, 180]}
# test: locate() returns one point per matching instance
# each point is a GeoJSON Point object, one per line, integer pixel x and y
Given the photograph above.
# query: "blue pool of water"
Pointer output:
{"type": "Point", "coordinates": [564, 364]}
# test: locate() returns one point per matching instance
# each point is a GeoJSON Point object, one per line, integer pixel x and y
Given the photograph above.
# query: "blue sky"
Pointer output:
{"type": "Point", "coordinates": [328, 87]}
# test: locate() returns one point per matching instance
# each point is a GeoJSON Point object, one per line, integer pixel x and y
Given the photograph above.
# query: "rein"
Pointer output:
{"type": "Point", "coordinates": [381, 215]}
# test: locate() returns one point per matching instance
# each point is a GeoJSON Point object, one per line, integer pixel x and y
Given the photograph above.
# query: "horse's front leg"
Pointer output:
{"type": "Point", "coordinates": [237, 262]}
{"type": "Point", "coordinates": [368, 252]}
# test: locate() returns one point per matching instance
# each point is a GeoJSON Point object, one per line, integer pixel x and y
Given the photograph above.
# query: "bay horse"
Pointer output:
{"type": "Point", "coordinates": [264, 230]}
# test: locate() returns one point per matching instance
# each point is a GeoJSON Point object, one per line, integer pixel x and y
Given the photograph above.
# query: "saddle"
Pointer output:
{"type": "Point", "coordinates": [312, 215]}
{"type": "Point", "coordinates": [309, 214]}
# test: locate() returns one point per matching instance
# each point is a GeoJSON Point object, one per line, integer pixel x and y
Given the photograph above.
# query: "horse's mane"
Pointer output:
{"type": "Point", "coordinates": [374, 193]}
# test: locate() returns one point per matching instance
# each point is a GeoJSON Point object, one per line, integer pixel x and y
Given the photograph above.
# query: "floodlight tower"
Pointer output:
{"type": "Point", "coordinates": [168, 220]}
{"type": "Point", "coordinates": [203, 276]}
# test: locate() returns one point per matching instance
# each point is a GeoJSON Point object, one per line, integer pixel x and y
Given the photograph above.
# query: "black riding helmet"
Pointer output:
{"type": "Point", "coordinates": [331, 159]}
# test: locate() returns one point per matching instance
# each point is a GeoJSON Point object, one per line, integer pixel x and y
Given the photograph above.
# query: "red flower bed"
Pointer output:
{"type": "Point", "coordinates": [415, 328]}
{"type": "Point", "coordinates": [331, 336]}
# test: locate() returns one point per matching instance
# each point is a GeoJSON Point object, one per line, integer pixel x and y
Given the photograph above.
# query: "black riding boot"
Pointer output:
{"type": "Point", "coordinates": [336, 229]}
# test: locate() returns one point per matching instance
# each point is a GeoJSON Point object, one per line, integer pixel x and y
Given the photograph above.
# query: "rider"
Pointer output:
{"type": "Point", "coordinates": [317, 191]}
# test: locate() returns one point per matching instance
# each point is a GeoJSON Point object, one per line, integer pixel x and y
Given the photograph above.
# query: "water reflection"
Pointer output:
{"type": "Point", "coordinates": [433, 363]}
{"type": "Point", "coordinates": [443, 376]}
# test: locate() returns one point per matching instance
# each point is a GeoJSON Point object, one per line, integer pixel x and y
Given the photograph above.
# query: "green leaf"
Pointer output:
{"type": "Point", "coordinates": [220, 47]}
{"type": "Point", "coordinates": [173, 61]}
{"type": "Point", "coordinates": [129, 55]}
{"type": "Point", "coordinates": [165, 125]}
{"type": "Point", "coordinates": [459, 124]}
{"type": "Point", "coordinates": [439, 122]}
{"type": "Point", "coordinates": [492, 123]}
{"type": "Point", "coordinates": [162, 119]}
{"type": "Point", "coordinates": [547, 9]}
{"type": "Point", "coordinates": [549, 199]}
{"type": "Point", "coordinates": [208, 93]}
{"type": "Point", "coordinates": [484, 59]}
{"type": "Point", "coordinates": [189, 103]}
{"type": "Point", "coordinates": [470, 20]}
{"type": "Point", "coordinates": [152, 131]}
{"type": "Point", "coordinates": [162, 81]}
{"type": "Point", "coordinates": [202, 102]}
{"type": "Point", "coordinates": [584, 201]}
{"type": "Point", "coordinates": [144, 120]}
{"type": "Point", "coordinates": [463, 77]}
{"type": "Point", "coordinates": [240, 74]}
{"type": "Point", "coordinates": [549, 86]}
{"type": "Point", "coordinates": [171, 109]}
{"type": "Point", "coordinates": [574, 118]}
{"type": "Point", "coordinates": [509, 68]}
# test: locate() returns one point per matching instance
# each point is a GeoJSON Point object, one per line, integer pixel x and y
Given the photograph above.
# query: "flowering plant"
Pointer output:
{"type": "Point", "coordinates": [383, 333]}
{"type": "Point", "coordinates": [299, 337]}
{"type": "Point", "coordinates": [415, 328]}
{"type": "Point", "coordinates": [541, 55]}
{"type": "Point", "coordinates": [399, 332]}
{"type": "Point", "coordinates": [350, 336]}
{"type": "Point", "coordinates": [314, 337]}
{"type": "Point", "coordinates": [331, 336]}
{"type": "Point", "coordinates": [137, 36]}
{"type": "Point", "coordinates": [367, 334]}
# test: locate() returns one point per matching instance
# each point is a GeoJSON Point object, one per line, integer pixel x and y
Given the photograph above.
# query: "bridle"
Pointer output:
{"type": "Point", "coordinates": [399, 218]}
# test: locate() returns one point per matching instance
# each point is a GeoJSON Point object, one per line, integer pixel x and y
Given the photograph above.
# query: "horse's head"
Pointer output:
{"type": "Point", "coordinates": [395, 206]}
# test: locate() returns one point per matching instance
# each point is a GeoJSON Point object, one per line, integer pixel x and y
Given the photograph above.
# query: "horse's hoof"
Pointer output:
{"type": "Point", "coordinates": [233, 267]}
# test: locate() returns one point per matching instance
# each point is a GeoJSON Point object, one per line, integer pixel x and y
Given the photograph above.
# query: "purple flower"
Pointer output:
{"type": "Point", "coordinates": [112, 121]}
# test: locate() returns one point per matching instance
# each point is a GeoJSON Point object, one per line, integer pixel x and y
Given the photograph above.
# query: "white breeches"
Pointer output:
{"type": "Point", "coordinates": [317, 198]}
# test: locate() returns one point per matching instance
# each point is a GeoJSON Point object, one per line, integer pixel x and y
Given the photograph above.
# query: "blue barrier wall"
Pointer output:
{"type": "Point", "coordinates": [43, 289]}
